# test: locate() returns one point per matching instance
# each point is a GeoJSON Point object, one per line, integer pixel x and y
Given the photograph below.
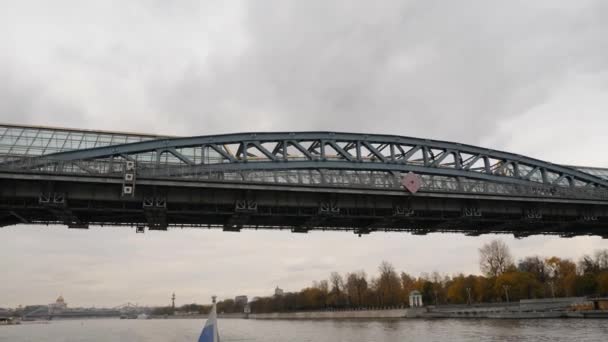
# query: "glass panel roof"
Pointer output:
{"type": "Point", "coordinates": [34, 141]}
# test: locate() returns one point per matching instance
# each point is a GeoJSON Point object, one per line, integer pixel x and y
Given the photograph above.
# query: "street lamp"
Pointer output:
{"type": "Point", "coordinates": [552, 284]}
{"type": "Point", "coordinates": [506, 287]}
{"type": "Point", "coordinates": [469, 294]}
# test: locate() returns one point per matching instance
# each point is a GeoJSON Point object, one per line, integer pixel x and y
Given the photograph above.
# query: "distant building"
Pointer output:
{"type": "Point", "coordinates": [278, 292]}
{"type": "Point", "coordinates": [240, 300]}
{"type": "Point", "coordinates": [415, 299]}
{"type": "Point", "coordinates": [254, 299]}
{"type": "Point", "coordinates": [59, 306]}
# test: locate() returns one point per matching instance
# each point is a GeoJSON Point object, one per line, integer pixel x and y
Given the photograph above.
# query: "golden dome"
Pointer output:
{"type": "Point", "coordinates": [60, 299]}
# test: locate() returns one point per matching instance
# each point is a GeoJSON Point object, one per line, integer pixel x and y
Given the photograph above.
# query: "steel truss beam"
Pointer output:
{"type": "Point", "coordinates": [335, 151]}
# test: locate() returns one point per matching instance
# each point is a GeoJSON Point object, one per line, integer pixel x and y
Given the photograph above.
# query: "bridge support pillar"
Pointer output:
{"type": "Point", "coordinates": [325, 211]}
{"type": "Point", "coordinates": [300, 230]}
{"type": "Point", "coordinates": [533, 214]}
{"type": "Point", "coordinates": [363, 231]}
{"type": "Point", "coordinates": [471, 212]}
{"type": "Point", "coordinates": [56, 203]}
{"type": "Point", "coordinates": [329, 208]}
{"type": "Point", "coordinates": [155, 211]}
{"type": "Point", "coordinates": [243, 209]}
{"type": "Point", "coordinates": [402, 211]}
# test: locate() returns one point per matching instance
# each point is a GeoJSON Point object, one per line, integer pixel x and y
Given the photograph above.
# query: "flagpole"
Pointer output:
{"type": "Point", "coordinates": [216, 333]}
{"type": "Point", "coordinates": [210, 332]}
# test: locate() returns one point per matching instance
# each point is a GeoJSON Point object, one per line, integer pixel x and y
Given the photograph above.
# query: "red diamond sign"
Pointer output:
{"type": "Point", "coordinates": [411, 182]}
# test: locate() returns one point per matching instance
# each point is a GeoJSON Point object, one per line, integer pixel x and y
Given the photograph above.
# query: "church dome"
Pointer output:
{"type": "Point", "coordinates": [60, 299]}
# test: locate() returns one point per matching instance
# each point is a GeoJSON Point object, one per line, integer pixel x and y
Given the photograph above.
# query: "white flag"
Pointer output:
{"type": "Point", "coordinates": [210, 332]}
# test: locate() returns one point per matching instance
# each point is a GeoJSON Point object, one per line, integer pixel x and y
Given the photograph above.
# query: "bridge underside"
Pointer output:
{"type": "Point", "coordinates": [159, 205]}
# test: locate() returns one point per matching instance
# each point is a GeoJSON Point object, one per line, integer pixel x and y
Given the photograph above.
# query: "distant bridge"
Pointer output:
{"type": "Point", "coordinates": [299, 181]}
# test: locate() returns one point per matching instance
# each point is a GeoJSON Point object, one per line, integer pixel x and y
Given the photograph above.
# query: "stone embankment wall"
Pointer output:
{"type": "Point", "coordinates": [198, 316]}
{"type": "Point", "coordinates": [389, 313]}
{"type": "Point", "coordinates": [232, 315]}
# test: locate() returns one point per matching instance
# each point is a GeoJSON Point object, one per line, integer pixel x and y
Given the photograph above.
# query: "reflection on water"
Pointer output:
{"type": "Point", "coordinates": [182, 330]}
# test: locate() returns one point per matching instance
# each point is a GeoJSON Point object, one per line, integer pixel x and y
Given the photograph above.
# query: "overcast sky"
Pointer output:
{"type": "Point", "coordinates": [530, 77]}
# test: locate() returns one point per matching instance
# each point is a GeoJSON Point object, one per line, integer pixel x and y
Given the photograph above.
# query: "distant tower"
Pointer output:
{"type": "Point", "coordinates": [173, 301]}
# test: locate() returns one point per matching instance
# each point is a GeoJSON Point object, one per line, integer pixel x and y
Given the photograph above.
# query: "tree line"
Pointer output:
{"type": "Point", "coordinates": [223, 306]}
{"type": "Point", "coordinates": [502, 280]}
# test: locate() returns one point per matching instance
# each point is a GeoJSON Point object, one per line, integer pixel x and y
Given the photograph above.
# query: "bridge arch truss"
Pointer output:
{"type": "Point", "coordinates": [325, 158]}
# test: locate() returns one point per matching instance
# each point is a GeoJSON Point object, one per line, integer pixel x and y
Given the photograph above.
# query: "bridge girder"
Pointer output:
{"type": "Point", "coordinates": [161, 205]}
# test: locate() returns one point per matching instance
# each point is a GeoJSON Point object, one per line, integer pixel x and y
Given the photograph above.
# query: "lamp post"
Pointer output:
{"type": "Point", "coordinates": [506, 288]}
{"type": "Point", "coordinates": [552, 284]}
{"type": "Point", "coordinates": [469, 295]}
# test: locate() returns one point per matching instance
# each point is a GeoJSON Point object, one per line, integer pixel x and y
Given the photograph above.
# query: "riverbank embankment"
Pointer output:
{"type": "Point", "coordinates": [524, 309]}
{"type": "Point", "coordinates": [342, 314]}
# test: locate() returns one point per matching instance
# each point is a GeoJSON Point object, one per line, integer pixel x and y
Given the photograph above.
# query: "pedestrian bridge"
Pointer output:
{"type": "Point", "coordinates": [299, 181]}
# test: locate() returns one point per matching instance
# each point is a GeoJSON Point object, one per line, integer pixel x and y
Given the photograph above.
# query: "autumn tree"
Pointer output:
{"type": "Point", "coordinates": [495, 258]}
{"type": "Point", "coordinates": [408, 284]}
{"type": "Point", "coordinates": [312, 298]}
{"type": "Point", "coordinates": [483, 290]}
{"type": "Point", "coordinates": [457, 290]}
{"type": "Point", "coordinates": [591, 273]}
{"type": "Point", "coordinates": [586, 284]}
{"type": "Point", "coordinates": [534, 265]}
{"type": "Point", "coordinates": [374, 297]}
{"type": "Point", "coordinates": [428, 295]}
{"type": "Point", "coordinates": [439, 289]}
{"type": "Point", "coordinates": [202, 309]}
{"type": "Point", "coordinates": [350, 289]}
{"type": "Point", "coordinates": [601, 259]}
{"type": "Point", "coordinates": [356, 288]}
{"type": "Point", "coordinates": [337, 289]}
{"type": "Point", "coordinates": [602, 283]}
{"type": "Point", "coordinates": [587, 265]}
{"type": "Point", "coordinates": [460, 287]}
{"type": "Point", "coordinates": [323, 287]}
{"type": "Point", "coordinates": [518, 285]}
{"type": "Point", "coordinates": [389, 285]}
{"type": "Point", "coordinates": [227, 306]}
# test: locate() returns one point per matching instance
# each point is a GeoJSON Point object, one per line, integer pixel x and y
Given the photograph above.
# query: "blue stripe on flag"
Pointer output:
{"type": "Point", "coordinates": [207, 334]}
{"type": "Point", "coordinates": [210, 333]}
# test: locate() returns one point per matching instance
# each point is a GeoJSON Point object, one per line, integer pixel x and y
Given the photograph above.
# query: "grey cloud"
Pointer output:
{"type": "Point", "coordinates": [315, 263]}
{"type": "Point", "coordinates": [441, 70]}
{"type": "Point", "coordinates": [25, 100]}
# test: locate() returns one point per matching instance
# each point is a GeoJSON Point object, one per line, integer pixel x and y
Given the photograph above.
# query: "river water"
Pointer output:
{"type": "Point", "coordinates": [187, 330]}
